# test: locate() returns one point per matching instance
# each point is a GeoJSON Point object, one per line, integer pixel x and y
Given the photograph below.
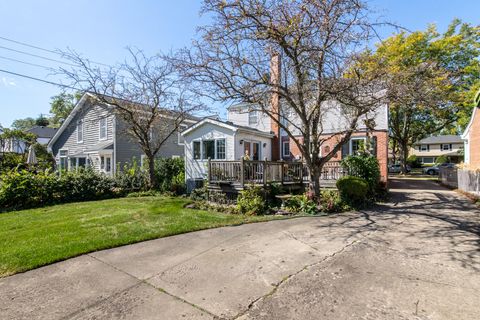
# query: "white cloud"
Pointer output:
{"type": "Point", "coordinates": [8, 82]}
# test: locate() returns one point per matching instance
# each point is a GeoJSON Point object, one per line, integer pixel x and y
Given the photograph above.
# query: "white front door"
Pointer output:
{"type": "Point", "coordinates": [106, 163]}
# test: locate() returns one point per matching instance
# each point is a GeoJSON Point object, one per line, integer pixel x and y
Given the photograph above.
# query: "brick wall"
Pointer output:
{"type": "Point", "coordinates": [382, 150]}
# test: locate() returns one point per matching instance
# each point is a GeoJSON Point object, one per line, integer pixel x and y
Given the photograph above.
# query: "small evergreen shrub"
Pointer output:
{"type": "Point", "coordinates": [170, 173]}
{"type": "Point", "coordinates": [251, 202]}
{"type": "Point", "coordinates": [199, 194]}
{"type": "Point", "coordinates": [353, 190]}
{"type": "Point", "coordinates": [414, 162]}
{"type": "Point", "coordinates": [364, 166]}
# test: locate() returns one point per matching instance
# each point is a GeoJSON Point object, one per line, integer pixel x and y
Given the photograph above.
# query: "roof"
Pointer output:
{"type": "Point", "coordinates": [441, 139]}
{"type": "Point", "coordinates": [43, 132]}
{"type": "Point", "coordinates": [228, 125]}
{"type": "Point", "coordinates": [82, 102]}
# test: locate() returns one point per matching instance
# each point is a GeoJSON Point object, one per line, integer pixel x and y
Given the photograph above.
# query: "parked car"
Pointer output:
{"type": "Point", "coordinates": [436, 169]}
{"type": "Point", "coordinates": [397, 168]}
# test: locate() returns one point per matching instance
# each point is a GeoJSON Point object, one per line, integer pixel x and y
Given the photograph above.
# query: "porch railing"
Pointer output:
{"type": "Point", "coordinates": [264, 172]}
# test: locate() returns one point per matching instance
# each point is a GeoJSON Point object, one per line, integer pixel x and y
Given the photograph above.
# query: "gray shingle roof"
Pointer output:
{"type": "Point", "coordinates": [441, 139]}
{"type": "Point", "coordinates": [43, 132]}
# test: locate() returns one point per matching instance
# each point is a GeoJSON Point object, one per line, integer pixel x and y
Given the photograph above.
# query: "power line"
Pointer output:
{"type": "Point", "coordinates": [24, 62]}
{"type": "Point", "coordinates": [37, 56]}
{"type": "Point", "coordinates": [46, 50]}
{"type": "Point", "coordinates": [38, 79]}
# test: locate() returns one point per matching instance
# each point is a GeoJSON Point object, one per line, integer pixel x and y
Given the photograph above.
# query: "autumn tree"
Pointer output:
{"type": "Point", "coordinates": [144, 92]}
{"type": "Point", "coordinates": [430, 80]}
{"type": "Point", "coordinates": [314, 46]}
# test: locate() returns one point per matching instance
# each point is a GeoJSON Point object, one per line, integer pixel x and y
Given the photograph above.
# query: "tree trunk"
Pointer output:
{"type": "Point", "coordinates": [314, 185]}
{"type": "Point", "coordinates": [151, 172]}
{"type": "Point", "coordinates": [404, 156]}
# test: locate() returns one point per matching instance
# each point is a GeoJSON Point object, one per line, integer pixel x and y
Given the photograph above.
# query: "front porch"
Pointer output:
{"type": "Point", "coordinates": [231, 177]}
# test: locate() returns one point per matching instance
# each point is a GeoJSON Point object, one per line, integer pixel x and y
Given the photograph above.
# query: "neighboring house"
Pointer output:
{"type": "Point", "coordinates": [429, 149]}
{"type": "Point", "coordinates": [43, 134]}
{"type": "Point", "coordinates": [252, 130]}
{"type": "Point", "coordinates": [471, 137]}
{"type": "Point", "coordinates": [12, 145]}
{"type": "Point", "coordinates": [93, 135]}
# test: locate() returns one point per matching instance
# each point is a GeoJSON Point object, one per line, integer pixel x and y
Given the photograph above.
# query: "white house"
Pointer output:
{"type": "Point", "coordinates": [221, 140]}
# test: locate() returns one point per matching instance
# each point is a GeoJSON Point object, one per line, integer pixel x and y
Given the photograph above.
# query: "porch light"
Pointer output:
{"type": "Point", "coordinates": [241, 141]}
{"type": "Point", "coordinates": [264, 144]}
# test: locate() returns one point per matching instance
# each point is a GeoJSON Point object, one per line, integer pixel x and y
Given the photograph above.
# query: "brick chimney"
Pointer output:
{"type": "Point", "coordinates": [275, 72]}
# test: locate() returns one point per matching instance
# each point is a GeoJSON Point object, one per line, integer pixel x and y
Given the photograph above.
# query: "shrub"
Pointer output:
{"type": "Point", "coordinates": [200, 194]}
{"type": "Point", "coordinates": [363, 166]}
{"type": "Point", "coordinates": [251, 202]}
{"type": "Point", "coordinates": [441, 159]}
{"type": "Point", "coordinates": [414, 162]}
{"type": "Point", "coordinates": [353, 190]}
{"type": "Point", "coordinates": [330, 201]}
{"type": "Point", "coordinates": [132, 177]}
{"type": "Point", "coordinates": [169, 174]}
{"type": "Point", "coordinates": [21, 189]}
{"type": "Point", "coordinates": [301, 204]}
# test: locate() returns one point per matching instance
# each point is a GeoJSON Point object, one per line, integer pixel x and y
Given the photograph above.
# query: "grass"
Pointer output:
{"type": "Point", "coordinates": [33, 238]}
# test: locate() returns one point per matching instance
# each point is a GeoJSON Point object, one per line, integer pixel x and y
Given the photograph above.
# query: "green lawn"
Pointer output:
{"type": "Point", "coordinates": [33, 238]}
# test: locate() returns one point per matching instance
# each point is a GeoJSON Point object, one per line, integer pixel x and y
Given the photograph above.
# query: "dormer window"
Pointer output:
{"type": "Point", "coordinates": [103, 128]}
{"type": "Point", "coordinates": [79, 131]}
{"type": "Point", "coordinates": [252, 117]}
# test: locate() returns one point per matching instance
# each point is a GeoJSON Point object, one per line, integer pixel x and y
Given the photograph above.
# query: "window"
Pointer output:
{"type": "Point", "coordinates": [106, 163]}
{"type": "Point", "coordinates": [196, 150]}
{"type": "Point", "coordinates": [445, 147]}
{"type": "Point", "coordinates": [424, 147]}
{"type": "Point", "coordinates": [220, 152]}
{"type": "Point", "coordinates": [252, 117]}
{"type": "Point", "coordinates": [286, 148]}
{"type": "Point", "coordinates": [79, 131]}
{"type": "Point", "coordinates": [102, 163]}
{"type": "Point", "coordinates": [208, 149]}
{"type": "Point", "coordinates": [103, 128]}
{"type": "Point", "coordinates": [357, 145]}
{"type": "Point", "coordinates": [428, 160]}
{"type": "Point", "coordinates": [63, 159]}
{"type": "Point", "coordinates": [255, 151]}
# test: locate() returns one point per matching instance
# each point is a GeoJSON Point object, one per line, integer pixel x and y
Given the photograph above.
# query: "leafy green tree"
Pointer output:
{"type": "Point", "coordinates": [24, 124]}
{"type": "Point", "coordinates": [42, 121]}
{"type": "Point", "coordinates": [61, 106]}
{"type": "Point", "coordinates": [430, 80]}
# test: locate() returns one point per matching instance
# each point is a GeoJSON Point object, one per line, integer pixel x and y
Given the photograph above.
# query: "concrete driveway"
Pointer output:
{"type": "Point", "coordinates": [417, 257]}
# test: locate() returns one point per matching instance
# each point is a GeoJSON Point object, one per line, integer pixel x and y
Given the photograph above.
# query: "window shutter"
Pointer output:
{"type": "Point", "coordinates": [373, 146]}
{"type": "Point", "coordinates": [428, 147]}
{"type": "Point", "coordinates": [451, 147]}
{"type": "Point", "coordinates": [345, 149]}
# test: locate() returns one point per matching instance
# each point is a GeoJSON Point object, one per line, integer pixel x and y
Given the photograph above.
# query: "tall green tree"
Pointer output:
{"type": "Point", "coordinates": [24, 124]}
{"type": "Point", "coordinates": [430, 80]}
{"type": "Point", "coordinates": [61, 105]}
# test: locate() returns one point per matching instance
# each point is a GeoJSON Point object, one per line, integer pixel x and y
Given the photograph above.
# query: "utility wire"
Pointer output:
{"type": "Point", "coordinates": [46, 50]}
{"type": "Point", "coordinates": [37, 56]}
{"type": "Point", "coordinates": [28, 63]}
{"type": "Point", "coordinates": [38, 79]}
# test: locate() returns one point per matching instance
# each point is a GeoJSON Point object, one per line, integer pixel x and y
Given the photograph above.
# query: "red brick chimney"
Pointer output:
{"type": "Point", "coordinates": [275, 72]}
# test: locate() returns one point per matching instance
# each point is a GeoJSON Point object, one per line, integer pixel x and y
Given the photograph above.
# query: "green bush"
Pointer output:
{"type": "Point", "coordinates": [170, 173]}
{"type": "Point", "coordinates": [132, 177]}
{"type": "Point", "coordinates": [363, 166]}
{"type": "Point", "coordinates": [200, 194]}
{"type": "Point", "coordinates": [441, 159]}
{"type": "Point", "coordinates": [353, 190]}
{"type": "Point", "coordinates": [414, 162]}
{"type": "Point", "coordinates": [301, 204]}
{"type": "Point", "coordinates": [330, 201]}
{"type": "Point", "coordinates": [21, 189]}
{"type": "Point", "coordinates": [252, 202]}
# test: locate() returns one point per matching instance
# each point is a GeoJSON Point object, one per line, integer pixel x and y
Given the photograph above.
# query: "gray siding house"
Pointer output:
{"type": "Point", "coordinates": [93, 135]}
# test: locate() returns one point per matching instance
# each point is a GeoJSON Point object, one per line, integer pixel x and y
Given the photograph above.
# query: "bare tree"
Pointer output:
{"type": "Point", "coordinates": [295, 56]}
{"type": "Point", "coordinates": [144, 92]}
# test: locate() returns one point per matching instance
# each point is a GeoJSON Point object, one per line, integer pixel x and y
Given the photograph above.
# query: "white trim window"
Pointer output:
{"type": "Point", "coordinates": [286, 148]}
{"type": "Point", "coordinates": [79, 131]}
{"type": "Point", "coordinates": [252, 117]}
{"type": "Point", "coordinates": [214, 149]}
{"type": "Point", "coordinates": [106, 163]}
{"type": "Point", "coordinates": [357, 144]}
{"type": "Point", "coordinates": [445, 147]}
{"type": "Point", "coordinates": [63, 163]}
{"type": "Point", "coordinates": [102, 125]}
{"type": "Point", "coordinates": [220, 150]}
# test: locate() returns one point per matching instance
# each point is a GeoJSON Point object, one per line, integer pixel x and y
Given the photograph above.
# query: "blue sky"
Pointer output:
{"type": "Point", "coordinates": [100, 30]}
